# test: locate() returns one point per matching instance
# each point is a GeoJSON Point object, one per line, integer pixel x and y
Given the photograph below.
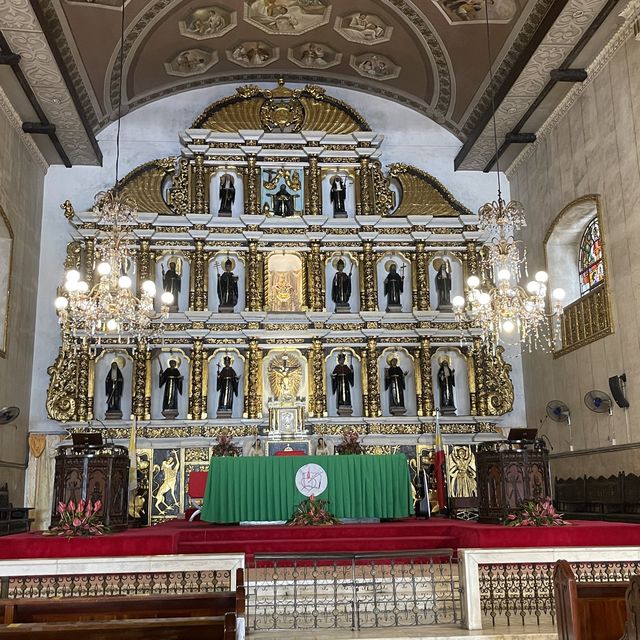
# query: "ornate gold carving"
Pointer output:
{"type": "Point", "coordinates": [63, 387]}
{"type": "Point", "coordinates": [308, 109]}
{"type": "Point", "coordinates": [461, 472]}
{"type": "Point", "coordinates": [384, 198]}
{"type": "Point", "coordinates": [495, 386]}
{"type": "Point", "coordinates": [178, 194]}
{"type": "Point", "coordinates": [315, 278]}
{"type": "Point", "coordinates": [68, 209]}
{"type": "Point", "coordinates": [74, 255]}
{"type": "Point", "coordinates": [252, 173]}
{"type": "Point", "coordinates": [314, 206]}
{"type": "Point", "coordinates": [295, 326]}
{"type": "Point", "coordinates": [422, 276]}
{"type": "Point", "coordinates": [254, 277]}
{"type": "Point", "coordinates": [89, 260]}
{"type": "Point", "coordinates": [199, 278]}
{"type": "Point", "coordinates": [198, 358]}
{"type": "Point", "coordinates": [253, 395]}
{"type": "Point", "coordinates": [199, 185]}
{"type": "Point", "coordinates": [426, 377]}
{"type": "Point", "coordinates": [145, 185]}
{"type": "Point", "coordinates": [145, 262]}
{"type": "Point", "coordinates": [586, 320]}
{"type": "Point", "coordinates": [82, 396]}
{"type": "Point", "coordinates": [140, 364]}
{"type": "Point", "coordinates": [363, 206]}
{"type": "Point", "coordinates": [422, 194]}
{"type": "Point", "coordinates": [318, 395]}
{"type": "Point", "coordinates": [373, 382]}
{"type": "Point", "coordinates": [369, 291]}
{"type": "Point", "coordinates": [472, 260]}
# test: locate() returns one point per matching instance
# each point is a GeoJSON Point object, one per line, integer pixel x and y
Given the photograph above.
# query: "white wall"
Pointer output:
{"type": "Point", "coordinates": [152, 132]}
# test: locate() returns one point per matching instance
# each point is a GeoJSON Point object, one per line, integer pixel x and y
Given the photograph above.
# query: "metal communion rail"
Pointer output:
{"type": "Point", "coordinates": [342, 590]}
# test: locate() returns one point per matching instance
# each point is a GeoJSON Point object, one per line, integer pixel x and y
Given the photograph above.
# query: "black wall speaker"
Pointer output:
{"type": "Point", "coordinates": [616, 385]}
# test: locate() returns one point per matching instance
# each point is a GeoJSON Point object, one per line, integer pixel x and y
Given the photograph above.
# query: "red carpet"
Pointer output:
{"type": "Point", "coordinates": [179, 536]}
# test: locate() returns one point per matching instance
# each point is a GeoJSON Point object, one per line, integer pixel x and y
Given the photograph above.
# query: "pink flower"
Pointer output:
{"type": "Point", "coordinates": [97, 505]}
{"type": "Point", "coordinates": [71, 505]}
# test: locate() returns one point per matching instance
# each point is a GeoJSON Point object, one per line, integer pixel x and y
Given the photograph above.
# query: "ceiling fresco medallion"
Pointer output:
{"type": "Point", "coordinates": [191, 62]}
{"type": "Point", "coordinates": [461, 11]}
{"type": "Point", "coordinates": [208, 22]}
{"type": "Point", "coordinates": [291, 17]}
{"type": "Point", "coordinates": [365, 28]}
{"type": "Point", "coordinates": [313, 55]}
{"type": "Point", "coordinates": [253, 54]}
{"type": "Point", "coordinates": [374, 65]}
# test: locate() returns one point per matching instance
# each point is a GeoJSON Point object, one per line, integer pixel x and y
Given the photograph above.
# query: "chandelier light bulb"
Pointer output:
{"type": "Point", "coordinates": [458, 301]}
{"type": "Point", "coordinates": [167, 298]}
{"type": "Point", "coordinates": [149, 288]}
{"type": "Point", "coordinates": [533, 287]}
{"type": "Point", "coordinates": [542, 276]}
{"type": "Point", "coordinates": [124, 282]}
{"type": "Point", "coordinates": [61, 303]}
{"type": "Point", "coordinates": [504, 275]}
{"type": "Point", "coordinates": [71, 286]}
{"type": "Point", "coordinates": [73, 275]}
{"type": "Point", "coordinates": [558, 294]}
{"type": "Point", "coordinates": [508, 326]}
{"type": "Point", "coordinates": [484, 298]}
{"type": "Point", "coordinates": [83, 286]}
{"type": "Point", "coordinates": [104, 268]}
{"type": "Point", "coordinates": [112, 325]}
{"type": "Point", "coordinates": [473, 282]}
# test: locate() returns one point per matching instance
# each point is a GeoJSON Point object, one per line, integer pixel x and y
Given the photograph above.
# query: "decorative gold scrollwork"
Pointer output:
{"type": "Point", "coordinates": [496, 392]}
{"type": "Point", "coordinates": [63, 387]}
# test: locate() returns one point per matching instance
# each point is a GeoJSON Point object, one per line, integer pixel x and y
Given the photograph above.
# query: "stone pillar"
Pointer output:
{"type": "Point", "coordinates": [315, 278]}
{"type": "Point", "coordinates": [318, 396]}
{"type": "Point", "coordinates": [364, 206]}
{"type": "Point", "coordinates": [141, 360]}
{"type": "Point", "coordinates": [89, 260]}
{"type": "Point", "coordinates": [426, 377]}
{"type": "Point", "coordinates": [252, 198]}
{"type": "Point", "coordinates": [198, 291]}
{"type": "Point", "coordinates": [369, 289]}
{"type": "Point", "coordinates": [84, 364]}
{"type": "Point", "coordinates": [373, 379]}
{"type": "Point", "coordinates": [200, 186]}
{"type": "Point", "coordinates": [422, 276]}
{"type": "Point", "coordinates": [254, 277]}
{"type": "Point", "coordinates": [314, 194]}
{"type": "Point", "coordinates": [253, 399]}
{"type": "Point", "coordinates": [197, 379]}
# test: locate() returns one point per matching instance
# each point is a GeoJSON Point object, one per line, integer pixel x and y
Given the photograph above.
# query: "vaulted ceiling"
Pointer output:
{"type": "Point", "coordinates": [431, 55]}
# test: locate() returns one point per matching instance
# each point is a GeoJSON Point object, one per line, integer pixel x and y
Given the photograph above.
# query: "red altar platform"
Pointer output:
{"type": "Point", "coordinates": [180, 536]}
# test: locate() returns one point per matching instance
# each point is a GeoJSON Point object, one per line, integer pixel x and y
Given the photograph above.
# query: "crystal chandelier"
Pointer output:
{"type": "Point", "coordinates": [110, 307]}
{"type": "Point", "coordinates": [496, 302]}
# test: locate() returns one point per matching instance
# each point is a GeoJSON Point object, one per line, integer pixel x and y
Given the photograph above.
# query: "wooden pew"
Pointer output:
{"type": "Point", "coordinates": [588, 610]}
{"type": "Point", "coordinates": [214, 627]}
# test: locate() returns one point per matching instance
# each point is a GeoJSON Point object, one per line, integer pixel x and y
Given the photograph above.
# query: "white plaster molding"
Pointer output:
{"type": "Point", "coordinates": [625, 31]}
{"type": "Point", "coordinates": [16, 123]}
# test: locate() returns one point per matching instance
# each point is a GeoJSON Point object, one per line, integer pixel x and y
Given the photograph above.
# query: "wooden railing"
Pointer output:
{"type": "Point", "coordinates": [585, 320]}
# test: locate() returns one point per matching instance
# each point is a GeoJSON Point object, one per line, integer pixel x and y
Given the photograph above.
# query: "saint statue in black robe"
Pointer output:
{"type": "Point", "coordinates": [113, 386]}
{"type": "Point", "coordinates": [171, 283]}
{"type": "Point", "coordinates": [227, 194]}
{"type": "Point", "coordinates": [341, 382]}
{"type": "Point", "coordinates": [283, 204]}
{"type": "Point", "coordinates": [171, 379]}
{"type": "Point", "coordinates": [446, 382]}
{"type": "Point", "coordinates": [338, 195]}
{"type": "Point", "coordinates": [393, 287]}
{"type": "Point", "coordinates": [395, 385]}
{"type": "Point", "coordinates": [443, 286]}
{"type": "Point", "coordinates": [227, 387]}
{"type": "Point", "coordinates": [227, 289]}
{"type": "Point", "coordinates": [341, 288]}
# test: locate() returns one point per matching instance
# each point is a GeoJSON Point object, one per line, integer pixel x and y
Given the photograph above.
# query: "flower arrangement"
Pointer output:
{"type": "Point", "coordinates": [535, 513]}
{"type": "Point", "coordinates": [224, 446]}
{"type": "Point", "coordinates": [350, 445]}
{"type": "Point", "coordinates": [312, 512]}
{"type": "Point", "coordinates": [79, 519]}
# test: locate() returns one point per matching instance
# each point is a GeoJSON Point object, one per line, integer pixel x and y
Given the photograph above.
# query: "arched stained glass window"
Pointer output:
{"type": "Point", "coordinates": [590, 263]}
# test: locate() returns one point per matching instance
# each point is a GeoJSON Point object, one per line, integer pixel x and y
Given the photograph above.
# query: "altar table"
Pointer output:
{"type": "Point", "coordinates": [264, 488]}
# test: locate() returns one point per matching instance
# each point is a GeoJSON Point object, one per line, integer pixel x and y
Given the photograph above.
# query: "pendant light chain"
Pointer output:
{"type": "Point", "coordinates": [120, 80]}
{"type": "Point", "coordinates": [493, 97]}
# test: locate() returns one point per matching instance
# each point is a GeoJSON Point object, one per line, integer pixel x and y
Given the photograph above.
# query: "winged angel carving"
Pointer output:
{"type": "Point", "coordinates": [285, 377]}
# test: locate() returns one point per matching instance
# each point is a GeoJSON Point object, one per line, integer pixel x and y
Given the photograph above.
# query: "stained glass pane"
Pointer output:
{"type": "Point", "coordinates": [590, 264]}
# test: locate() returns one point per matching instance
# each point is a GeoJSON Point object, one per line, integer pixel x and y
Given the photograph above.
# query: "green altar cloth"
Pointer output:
{"type": "Point", "coordinates": [262, 489]}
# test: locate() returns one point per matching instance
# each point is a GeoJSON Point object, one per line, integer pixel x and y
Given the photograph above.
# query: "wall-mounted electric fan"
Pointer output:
{"type": "Point", "coordinates": [8, 414]}
{"type": "Point", "coordinates": [600, 402]}
{"type": "Point", "coordinates": [558, 411]}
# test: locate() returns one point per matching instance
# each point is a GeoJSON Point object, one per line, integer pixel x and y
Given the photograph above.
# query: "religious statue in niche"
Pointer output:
{"type": "Point", "coordinates": [285, 377]}
{"type": "Point", "coordinates": [393, 287]}
{"type": "Point", "coordinates": [443, 283]}
{"type": "Point", "coordinates": [227, 387]}
{"type": "Point", "coordinates": [283, 204]}
{"type": "Point", "coordinates": [171, 379]}
{"type": "Point", "coordinates": [341, 288]}
{"type": "Point", "coordinates": [168, 472]}
{"type": "Point", "coordinates": [227, 288]}
{"type": "Point", "coordinates": [227, 193]}
{"type": "Point", "coordinates": [113, 387]}
{"type": "Point", "coordinates": [285, 283]}
{"type": "Point", "coordinates": [322, 449]}
{"type": "Point", "coordinates": [338, 195]}
{"type": "Point", "coordinates": [446, 383]}
{"type": "Point", "coordinates": [394, 383]}
{"type": "Point", "coordinates": [342, 381]}
{"type": "Point", "coordinates": [282, 188]}
{"type": "Point", "coordinates": [171, 281]}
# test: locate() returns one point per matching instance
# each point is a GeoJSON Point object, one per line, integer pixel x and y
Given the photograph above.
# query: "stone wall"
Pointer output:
{"type": "Point", "coordinates": [593, 149]}
{"type": "Point", "coordinates": [21, 191]}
